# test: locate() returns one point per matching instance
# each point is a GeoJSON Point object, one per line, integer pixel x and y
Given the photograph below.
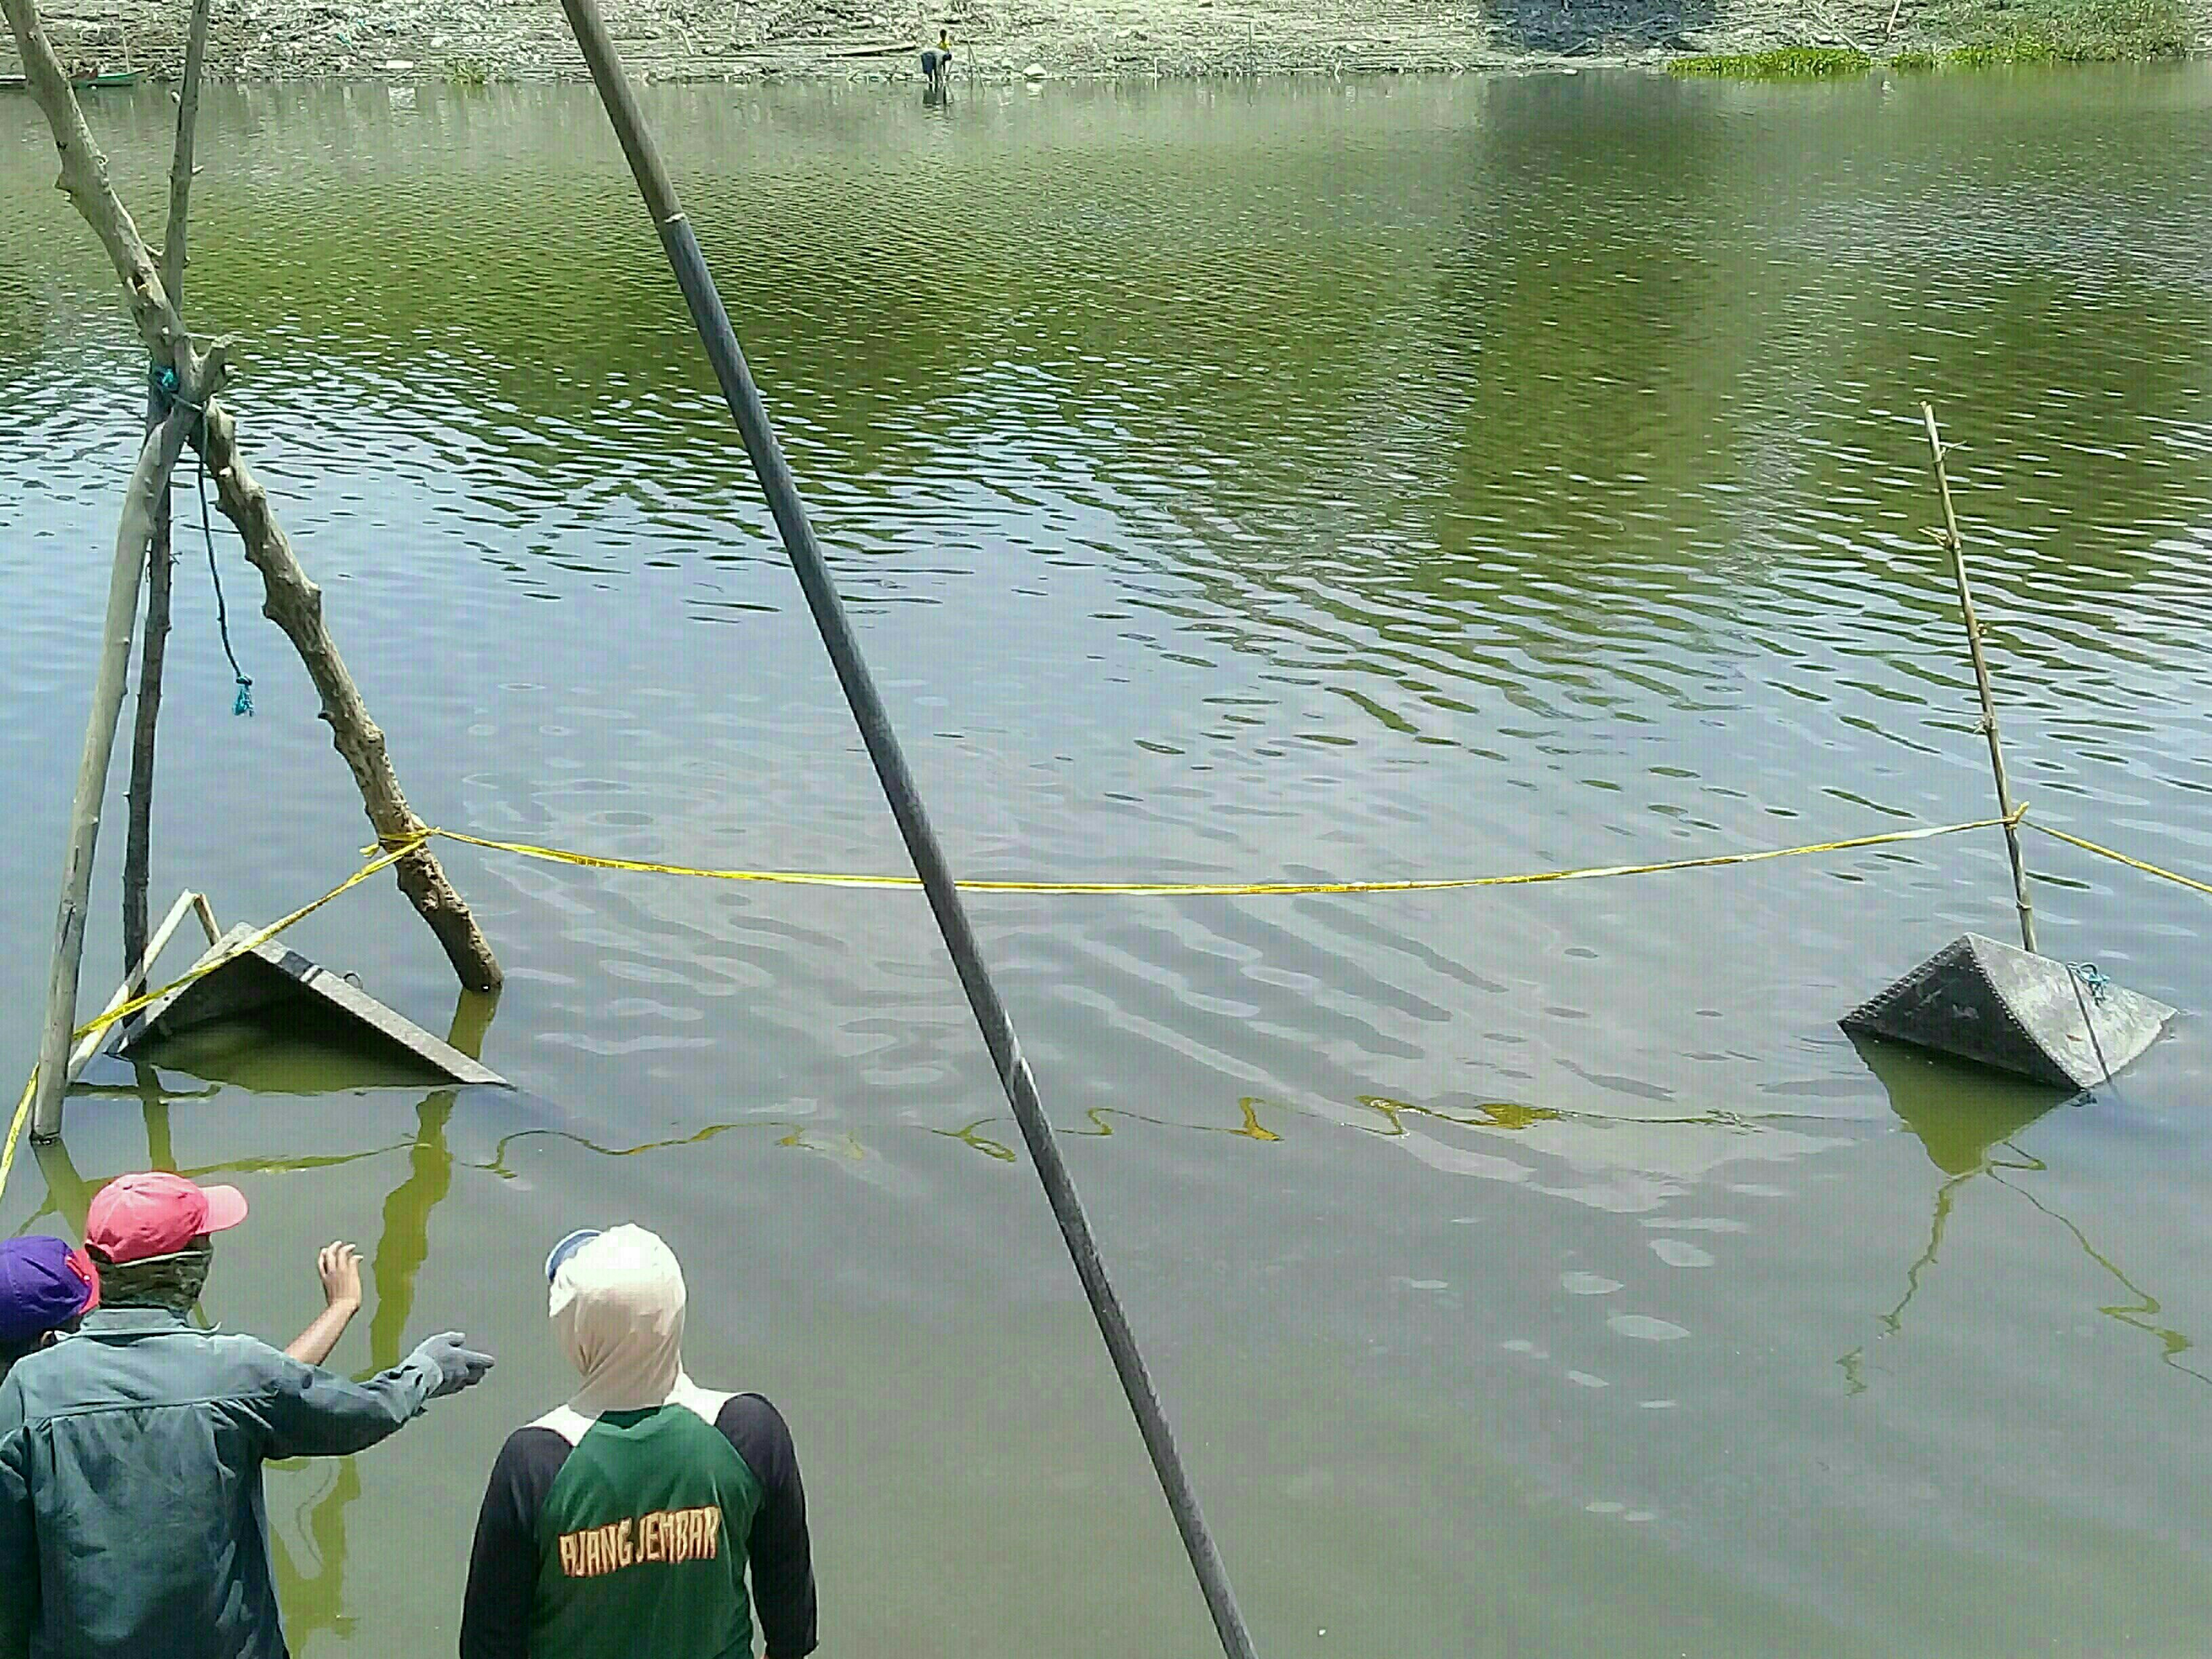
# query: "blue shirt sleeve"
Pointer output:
{"type": "Point", "coordinates": [306, 1412]}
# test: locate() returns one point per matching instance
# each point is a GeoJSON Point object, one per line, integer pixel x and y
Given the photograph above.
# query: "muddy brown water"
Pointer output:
{"type": "Point", "coordinates": [1359, 481]}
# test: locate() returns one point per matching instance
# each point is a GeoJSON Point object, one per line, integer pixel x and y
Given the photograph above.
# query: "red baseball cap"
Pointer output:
{"type": "Point", "coordinates": [136, 1217]}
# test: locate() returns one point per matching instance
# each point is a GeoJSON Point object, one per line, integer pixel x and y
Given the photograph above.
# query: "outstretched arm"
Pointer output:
{"type": "Point", "coordinates": [305, 1412]}
{"type": "Point", "coordinates": [339, 1268]}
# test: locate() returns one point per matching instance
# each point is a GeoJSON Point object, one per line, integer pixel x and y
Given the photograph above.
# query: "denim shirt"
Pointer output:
{"type": "Point", "coordinates": [132, 1520]}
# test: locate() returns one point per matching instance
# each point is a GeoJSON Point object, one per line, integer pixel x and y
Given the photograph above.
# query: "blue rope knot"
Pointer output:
{"type": "Point", "coordinates": [2093, 979]}
{"type": "Point", "coordinates": [168, 393]}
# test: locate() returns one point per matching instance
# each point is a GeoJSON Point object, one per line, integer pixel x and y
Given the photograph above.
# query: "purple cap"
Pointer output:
{"type": "Point", "coordinates": [44, 1284]}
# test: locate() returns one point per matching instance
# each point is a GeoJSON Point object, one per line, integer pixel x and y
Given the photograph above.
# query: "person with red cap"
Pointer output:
{"type": "Point", "coordinates": [45, 1289]}
{"type": "Point", "coordinates": [141, 1216]}
{"type": "Point", "coordinates": [132, 1517]}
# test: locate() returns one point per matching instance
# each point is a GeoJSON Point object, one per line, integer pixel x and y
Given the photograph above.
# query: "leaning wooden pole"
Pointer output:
{"type": "Point", "coordinates": [1952, 542]}
{"type": "Point", "coordinates": [149, 480]}
{"type": "Point", "coordinates": [295, 604]}
{"type": "Point", "coordinates": [138, 840]}
{"type": "Point", "coordinates": [291, 601]}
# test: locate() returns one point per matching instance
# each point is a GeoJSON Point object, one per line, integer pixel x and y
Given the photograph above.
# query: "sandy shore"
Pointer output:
{"type": "Point", "coordinates": [993, 39]}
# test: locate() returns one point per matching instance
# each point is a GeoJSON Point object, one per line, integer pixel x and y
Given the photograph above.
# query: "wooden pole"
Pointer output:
{"type": "Point", "coordinates": [1949, 537]}
{"type": "Point", "coordinates": [138, 840]}
{"type": "Point", "coordinates": [157, 459]}
{"type": "Point", "coordinates": [138, 835]}
{"type": "Point", "coordinates": [292, 601]}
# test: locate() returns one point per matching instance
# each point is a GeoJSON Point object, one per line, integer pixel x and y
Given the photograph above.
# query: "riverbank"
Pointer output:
{"type": "Point", "coordinates": [1012, 40]}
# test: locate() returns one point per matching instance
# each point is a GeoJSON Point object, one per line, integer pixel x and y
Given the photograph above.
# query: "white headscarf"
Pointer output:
{"type": "Point", "coordinates": [617, 1308]}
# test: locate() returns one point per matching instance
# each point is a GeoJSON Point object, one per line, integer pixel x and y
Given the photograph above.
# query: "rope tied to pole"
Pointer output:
{"type": "Point", "coordinates": [168, 395]}
{"type": "Point", "coordinates": [2084, 975]}
{"type": "Point", "coordinates": [1200, 889]}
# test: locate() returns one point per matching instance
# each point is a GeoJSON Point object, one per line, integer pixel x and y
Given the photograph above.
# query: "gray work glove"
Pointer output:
{"type": "Point", "coordinates": [457, 1366]}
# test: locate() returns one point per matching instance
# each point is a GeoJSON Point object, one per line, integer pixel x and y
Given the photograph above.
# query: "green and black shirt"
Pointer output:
{"type": "Point", "coordinates": [630, 1534]}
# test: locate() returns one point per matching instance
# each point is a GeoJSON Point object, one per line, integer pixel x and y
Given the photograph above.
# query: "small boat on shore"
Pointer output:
{"type": "Point", "coordinates": [82, 82]}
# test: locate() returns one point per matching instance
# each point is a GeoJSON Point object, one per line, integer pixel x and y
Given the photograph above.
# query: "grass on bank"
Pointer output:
{"type": "Point", "coordinates": [473, 72]}
{"type": "Point", "coordinates": [1997, 34]}
{"type": "Point", "coordinates": [1782, 64]}
{"type": "Point", "coordinates": [1986, 34]}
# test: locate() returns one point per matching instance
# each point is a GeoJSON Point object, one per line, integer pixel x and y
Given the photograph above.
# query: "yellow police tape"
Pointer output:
{"type": "Point", "coordinates": [200, 970]}
{"type": "Point", "coordinates": [1215, 889]}
{"type": "Point", "coordinates": [393, 853]}
{"type": "Point", "coordinates": [2122, 857]}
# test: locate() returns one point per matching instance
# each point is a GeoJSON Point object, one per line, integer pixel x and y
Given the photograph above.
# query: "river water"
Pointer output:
{"type": "Point", "coordinates": [1345, 480]}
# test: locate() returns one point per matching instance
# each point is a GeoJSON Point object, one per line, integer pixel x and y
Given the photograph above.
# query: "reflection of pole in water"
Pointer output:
{"type": "Point", "coordinates": [1893, 1321]}
{"type": "Point", "coordinates": [2136, 1316]}
{"type": "Point", "coordinates": [2139, 1315]}
{"type": "Point", "coordinates": [317, 1602]}
{"type": "Point", "coordinates": [1959, 1118]}
{"type": "Point", "coordinates": [404, 1243]}
{"type": "Point", "coordinates": [69, 1195]}
{"type": "Point", "coordinates": [161, 1147]}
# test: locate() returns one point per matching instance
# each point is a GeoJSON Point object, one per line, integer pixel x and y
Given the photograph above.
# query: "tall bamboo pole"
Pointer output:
{"type": "Point", "coordinates": [1950, 538]}
{"type": "Point", "coordinates": [138, 840]}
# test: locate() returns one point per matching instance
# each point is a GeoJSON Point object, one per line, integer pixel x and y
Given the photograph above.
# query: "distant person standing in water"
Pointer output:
{"type": "Point", "coordinates": [937, 61]}
{"type": "Point", "coordinates": [131, 1519]}
{"type": "Point", "coordinates": [624, 1523]}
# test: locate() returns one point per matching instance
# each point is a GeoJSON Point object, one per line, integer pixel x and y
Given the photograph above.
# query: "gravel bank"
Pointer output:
{"type": "Point", "coordinates": [993, 39]}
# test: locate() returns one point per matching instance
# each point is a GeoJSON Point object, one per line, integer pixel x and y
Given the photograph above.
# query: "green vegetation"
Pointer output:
{"type": "Point", "coordinates": [1995, 35]}
{"type": "Point", "coordinates": [1990, 34]}
{"type": "Point", "coordinates": [469, 72]}
{"type": "Point", "coordinates": [1783, 64]}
